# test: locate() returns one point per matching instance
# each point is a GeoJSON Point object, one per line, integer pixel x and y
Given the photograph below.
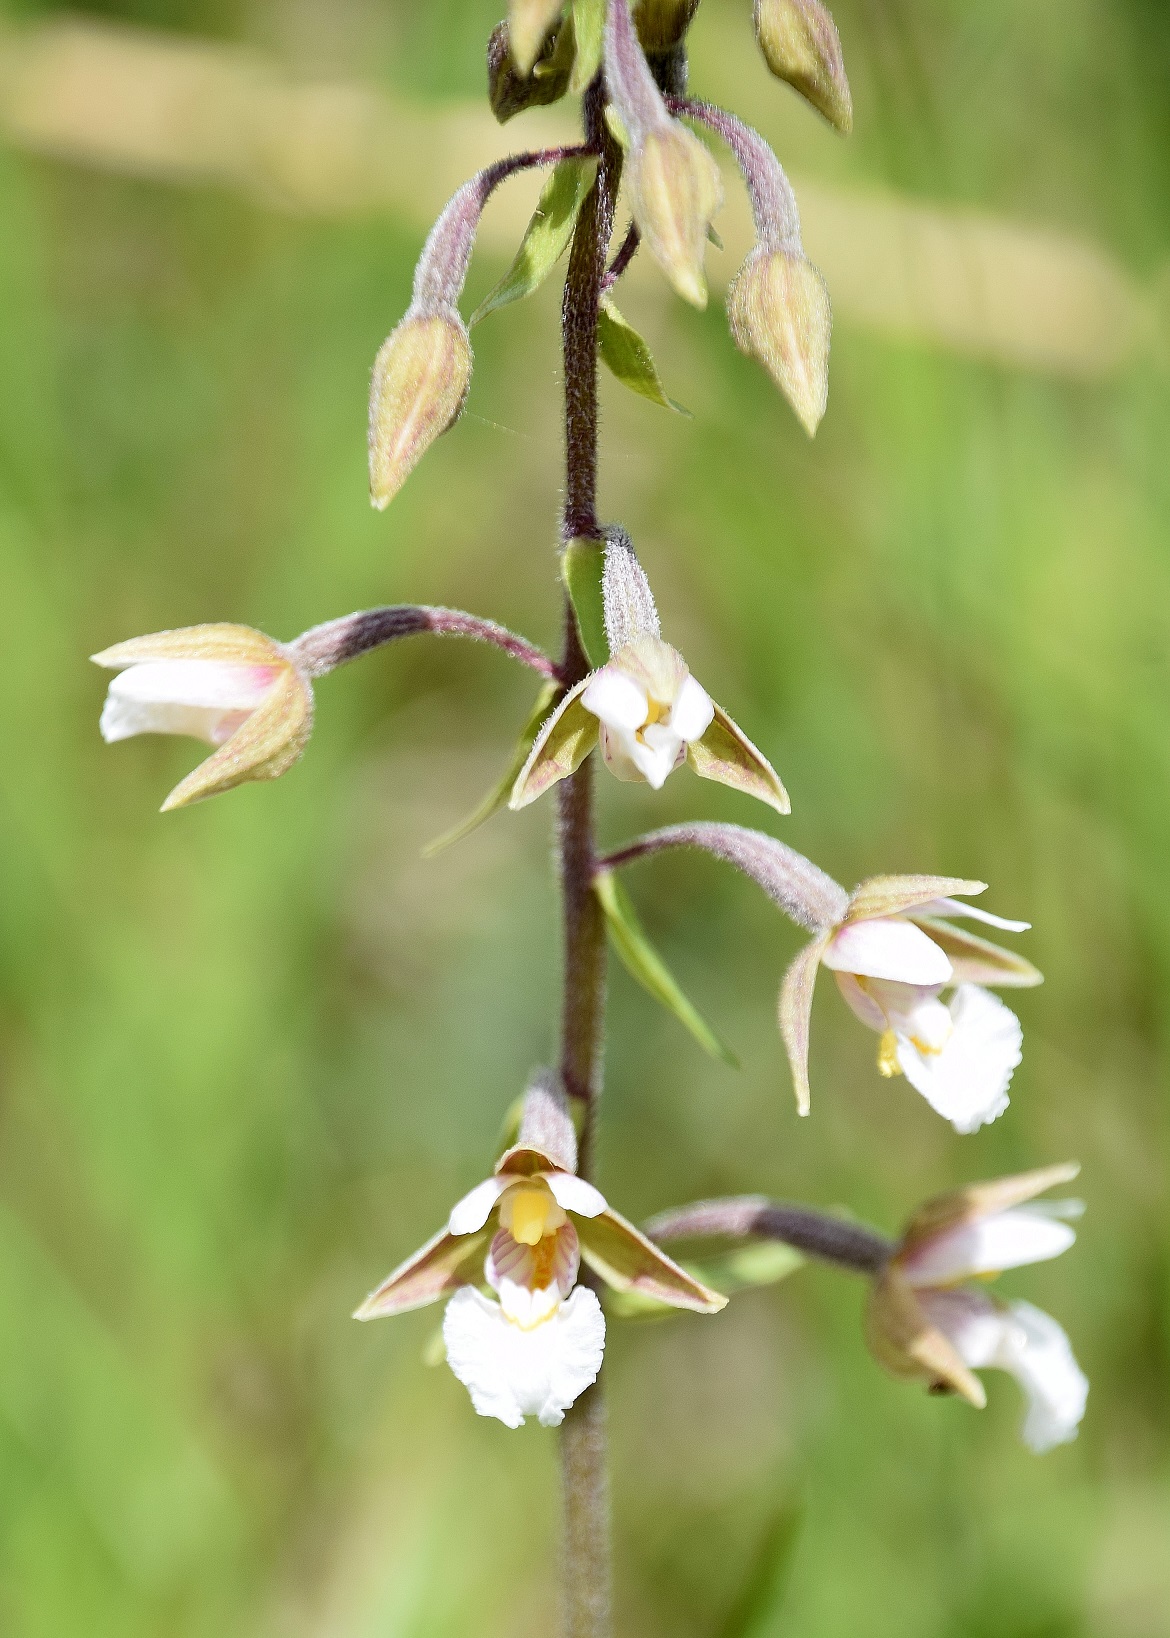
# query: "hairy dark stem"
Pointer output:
{"type": "Point", "coordinates": [323, 647]}
{"type": "Point", "coordinates": [816, 1233]}
{"type": "Point", "coordinates": [586, 1576]}
{"type": "Point", "coordinates": [626, 253]}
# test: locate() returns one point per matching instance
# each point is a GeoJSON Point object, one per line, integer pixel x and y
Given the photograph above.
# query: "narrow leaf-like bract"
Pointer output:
{"type": "Point", "coordinates": [546, 236]}
{"type": "Point", "coordinates": [626, 355]}
{"type": "Point", "coordinates": [642, 961]}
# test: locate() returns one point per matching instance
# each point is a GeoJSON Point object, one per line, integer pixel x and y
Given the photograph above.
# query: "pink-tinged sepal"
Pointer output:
{"type": "Point", "coordinates": [626, 1260]}
{"type": "Point", "coordinates": [445, 1263]}
{"type": "Point", "coordinates": [228, 685]}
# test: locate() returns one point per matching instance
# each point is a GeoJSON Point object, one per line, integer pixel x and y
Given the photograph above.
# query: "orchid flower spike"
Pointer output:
{"type": "Point", "coordinates": [893, 954]}
{"type": "Point", "coordinates": [532, 1341]}
{"type": "Point", "coordinates": [924, 1322]}
{"type": "Point", "coordinates": [647, 711]}
{"type": "Point", "coordinates": [239, 690]}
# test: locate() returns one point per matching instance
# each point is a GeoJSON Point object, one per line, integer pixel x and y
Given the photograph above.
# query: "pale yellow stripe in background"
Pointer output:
{"type": "Point", "coordinates": [164, 107]}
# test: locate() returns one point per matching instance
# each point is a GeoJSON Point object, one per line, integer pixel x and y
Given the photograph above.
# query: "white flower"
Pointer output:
{"type": "Point", "coordinates": [650, 709]}
{"type": "Point", "coordinates": [1027, 1343]}
{"type": "Point", "coordinates": [643, 706]}
{"type": "Point", "coordinates": [923, 1321]}
{"type": "Point", "coordinates": [231, 686]}
{"type": "Point", "coordinates": [537, 1344]}
{"type": "Point", "coordinates": [893, 955]}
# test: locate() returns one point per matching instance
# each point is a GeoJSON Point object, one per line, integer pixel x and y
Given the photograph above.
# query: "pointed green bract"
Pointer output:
{"type": "Point", "coordinates": [642, 961]}
{"type": "Point", "coordinates": [497, 797]}
{"type": "Point", "coordinates": [545, 237]}
{"type": "Point", "coordinates": [626, 355]}
{"type": "Point", "coordinates": [589, 29]}
{"type": "Point", "coordinates": [582, 566]}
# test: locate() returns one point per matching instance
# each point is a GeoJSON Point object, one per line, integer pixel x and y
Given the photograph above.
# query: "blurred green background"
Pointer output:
{"type": "Point", "coordinates": [250, 1053]}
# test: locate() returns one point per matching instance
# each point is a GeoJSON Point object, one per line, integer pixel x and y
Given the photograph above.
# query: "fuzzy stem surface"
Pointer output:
{"type": "Point", "coordinates": [586, 1549]}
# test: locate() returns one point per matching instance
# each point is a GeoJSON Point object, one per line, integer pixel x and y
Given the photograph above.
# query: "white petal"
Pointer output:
{"type": "Point", "coordinates": [526, 1306]}
{"type": "Point", "coordinates": [887, 948]}
{"type": "Point", "coordinates": [470, 1214]}
{"type": "Point", "coordinates": [511, 1373]}
{"type": "Point", "coordinates": [621, 752]}
{"type": "Point", "coordinates": [572, 1193]}
{"type": "Point", "coordinates": [616, 699]}
{"type": "Point", "coordinates": [861, 1003]}
{"type": "Point", "coordinates": [1030, 1345]}
{"type": "Point", "coordinates": [967, 1081]}
{"type": "Point", "coordinates": [205, 699]}
{"type": "Point", "coordinates": [1007, 1239]}
{"type": "Point", "coordinates": [692, 711]}
{"type": "Point", "coordinates": [1041, 1359]}
{"type": "Point", "coordinates": [658, 753]}
{"type": "Point", "coordinates": [954, 908]}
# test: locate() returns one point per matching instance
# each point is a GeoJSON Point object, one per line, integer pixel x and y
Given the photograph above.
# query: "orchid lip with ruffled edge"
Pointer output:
{"type": "Point", "coordinates": [925, 1322]}
{"type": "Point", "coordinates": [893, 954]}
{"type": "Point", "coordinates": [533, 1345]}
{"type": "Point", "coordinates": [231, 686]}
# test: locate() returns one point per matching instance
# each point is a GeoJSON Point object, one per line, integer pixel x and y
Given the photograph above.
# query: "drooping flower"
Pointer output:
{"type": "Point", "coordinates": [893, 954]}
{"type": "Point", "coordinates": [647, 711]}
{"type": "Point", "coordinates": [925, 1322]}
{"type": "Point", "coordinates": [532, 1342]}
{"type": "Point", "coordinates": [234, 687]}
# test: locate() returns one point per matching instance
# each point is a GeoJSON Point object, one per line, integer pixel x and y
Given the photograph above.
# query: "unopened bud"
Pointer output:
{"type": "Point", "coordinates": [662, 24]}
{"type": "Point", "coordinates": [421, 376]}
{"type": "Point", "coordinates": [675, 189]}
{"type": "Point", "coordinates": [779, 312]}
{"type": "Point", "coordinates": [529, 23]}
{"type": "Point", "coordinates": [801, 45]}
{"type": "Point", "coordinates": [510, 92]}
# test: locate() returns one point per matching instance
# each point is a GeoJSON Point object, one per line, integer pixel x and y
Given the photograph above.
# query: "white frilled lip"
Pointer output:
{"type": "Point", "coordinates": [888, 948]}
{"type": "Point", "coordinates": [987, 1245]}
{"type": "Point", "coordinates": [967, 1079]}
{"type": "Point", "coordinates": [1027, 1343]}
{"type": "Point", "coordinates": [571, 1193]}
{"type": "Point", "coordinates": [512, 1373]}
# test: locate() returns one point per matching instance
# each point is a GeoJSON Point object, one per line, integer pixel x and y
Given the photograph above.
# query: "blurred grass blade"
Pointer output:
{"type": "Point", "coordinates": [642, 961]}
{"type": "Point", "coordinates": [589, 30]}
{"type": "Point", "coordinates": [582, 564]}
{"type": "Point", "coordinates": [766, 1581]}
{"type": "Point", "coordinates": [497, 797]}
{"type": "Point", "coordinates": [624, 352]}
{"type": "Point", "coordinates": [545, 237]}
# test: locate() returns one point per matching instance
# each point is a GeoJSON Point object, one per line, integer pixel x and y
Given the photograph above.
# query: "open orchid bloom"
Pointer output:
{"type": "Point", "coordinates": [894, 954]}
{"type": "Point", "coordinates": [229, 685]}
{"type": "Point", "coordinates": [532, 1341]}
{"type": "Point", "coordinates": [925, 1322]}
{"type": "Point", "coordinates": [648, 712]}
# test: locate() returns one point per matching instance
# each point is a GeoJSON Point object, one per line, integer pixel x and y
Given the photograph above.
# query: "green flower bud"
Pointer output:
{"type": "Point", "coordinates": [510, 92]}
{"type": "Point", "coordinates": [675, 189]}
{"type": "Point", "coordinates": [529, 22]}
{"type": "Point", "coordinates": [662, 24]}
{"type": "Point", "coordinates": [421, 376]}
{"type": "Point", "coordinates": [800, 43]}
{"type": "Point", "coordinates": [779, 312]}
